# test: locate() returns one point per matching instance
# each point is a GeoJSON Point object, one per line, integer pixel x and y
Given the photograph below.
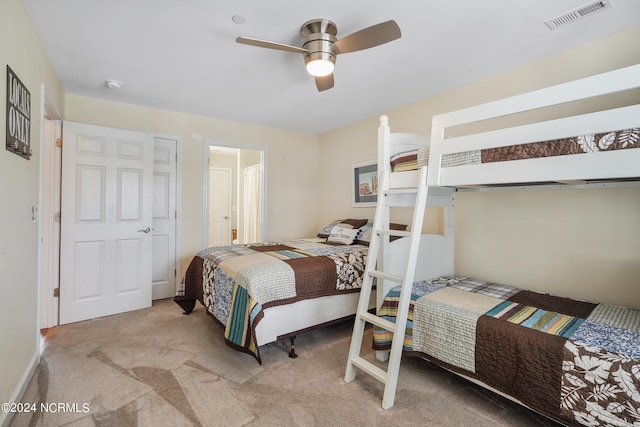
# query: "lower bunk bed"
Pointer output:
{"type": "Point", "coordinates": [573, 361]}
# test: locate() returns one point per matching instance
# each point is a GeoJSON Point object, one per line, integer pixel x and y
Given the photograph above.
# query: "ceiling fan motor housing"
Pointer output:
{"type": "Point", "coordinates": [320, 35]}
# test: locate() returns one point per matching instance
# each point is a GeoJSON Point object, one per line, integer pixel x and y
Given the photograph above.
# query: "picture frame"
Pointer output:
{"type": "Point", "coordinates": [18, 118]}
{"type": "Point", "coordinates": [364, 187]}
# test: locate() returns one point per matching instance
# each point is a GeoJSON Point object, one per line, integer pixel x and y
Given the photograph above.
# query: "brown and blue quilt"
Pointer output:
{"type": "Point", "coordinates": [574, 361]}
{"type": "Point", "coordinates": [237, 283]}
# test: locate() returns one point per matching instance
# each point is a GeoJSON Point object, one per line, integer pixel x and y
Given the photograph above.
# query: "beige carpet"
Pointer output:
{"type": "Point", "coordinates": [157, 367]}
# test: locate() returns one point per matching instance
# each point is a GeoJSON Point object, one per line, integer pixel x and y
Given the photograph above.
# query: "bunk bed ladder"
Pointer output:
{"type": "Point", "coordinates": [382, 230]}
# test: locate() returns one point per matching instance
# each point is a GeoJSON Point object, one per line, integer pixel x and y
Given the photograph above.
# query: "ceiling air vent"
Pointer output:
{"type": "Point", "coordinates": [578, 13]}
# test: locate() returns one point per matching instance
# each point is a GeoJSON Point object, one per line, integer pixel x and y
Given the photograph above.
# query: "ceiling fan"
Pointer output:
{"type": "Point", "coordinates": [321, 46]}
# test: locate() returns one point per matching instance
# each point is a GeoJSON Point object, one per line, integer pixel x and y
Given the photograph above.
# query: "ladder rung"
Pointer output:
{"type": "Point", "coordinates": [401, 233]}
{"type": "Point", "coordinates": [407, 190]}
{"type": "Point", "coordinates": [379, 374]}
{"type": "Point", "coordinates": [386, 276]}
{"type": "Point", "coordinates": [378, 321]}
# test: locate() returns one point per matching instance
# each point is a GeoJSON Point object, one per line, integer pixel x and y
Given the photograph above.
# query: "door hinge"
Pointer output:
{"type": "Point", "coordinates": [175, 272]}
{"type": "Point", "coordinates": [175, 214]}
{"type": "Point", "coordinates": [57, 217]}
{"type": "Point", "coordinates": [56, 292]}
{"type": "Point", "coordinates": [59, 142]}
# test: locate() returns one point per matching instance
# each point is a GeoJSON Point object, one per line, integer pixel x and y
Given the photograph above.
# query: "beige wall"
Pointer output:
{"type": "Point", "coordinates": [20, 48]}
{"type": "Point", "coordinates": [292, 163]}
{"type": "Point", "coordinates": [581, 243]}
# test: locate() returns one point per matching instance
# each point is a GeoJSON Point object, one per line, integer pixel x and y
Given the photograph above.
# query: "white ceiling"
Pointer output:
{"type": "Point", "coordinates": [181, 55]}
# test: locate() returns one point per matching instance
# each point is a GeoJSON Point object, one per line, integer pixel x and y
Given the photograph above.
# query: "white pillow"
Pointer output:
{"type": "Point", "coordinates": [342, 235]}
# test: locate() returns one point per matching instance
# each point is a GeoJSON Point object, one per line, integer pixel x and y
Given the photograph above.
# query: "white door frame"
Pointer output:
{"type": "Point", "coordinates": [48, 281]}
{"type": "Point", "coordinates": [206, 144]}
{"type": "Point", "coordinates": [49, 220]}
{"type": "Point", "coordinates": [178, 197]}
{"type": "Point", "coordinates": [165, 227]}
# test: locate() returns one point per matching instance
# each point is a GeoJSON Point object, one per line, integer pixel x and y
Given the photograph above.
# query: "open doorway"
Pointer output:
{"type": "Point", "coordinates": [235, 198]}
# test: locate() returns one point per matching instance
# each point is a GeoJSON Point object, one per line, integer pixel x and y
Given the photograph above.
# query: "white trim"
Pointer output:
{"type": "Point", "coordinates": [16, 397]}
{"type": "Point", "coordinates": [49, 195]}
{"type": "Point", "coordinates": [206, 143]}
{"type": "Point", "coordinates": [178, 236]}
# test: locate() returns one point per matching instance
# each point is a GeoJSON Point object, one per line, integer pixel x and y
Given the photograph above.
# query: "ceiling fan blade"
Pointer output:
{"type": "Point", "coordinates": [369, 37]}
{"type": "Point", "coordinates": [270, 45]}
{"type": "Point", "coordinates": [324, 83]}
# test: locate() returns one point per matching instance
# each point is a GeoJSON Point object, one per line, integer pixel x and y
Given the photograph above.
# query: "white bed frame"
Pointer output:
{"type": "Point", "coordinates": [435, 251]}
{"type": "Point", "coordinates": [580, 168]}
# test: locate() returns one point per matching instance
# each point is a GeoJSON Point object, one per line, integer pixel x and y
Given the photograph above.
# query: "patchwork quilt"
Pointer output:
{"type": "Point", "coordinates": [237, 283]}
{"type": "Point", "coordinates": [590, 143]}
{"type": "Point", "coordinates": [574, 361]}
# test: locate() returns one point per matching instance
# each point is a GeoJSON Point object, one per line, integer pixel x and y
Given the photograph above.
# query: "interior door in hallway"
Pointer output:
{"type": "Point", "coordinates": [219, 206]}
{"type": "Point", "coordinates": [106, 244]}
{"type": "Point", "coordinates": [163, 273]}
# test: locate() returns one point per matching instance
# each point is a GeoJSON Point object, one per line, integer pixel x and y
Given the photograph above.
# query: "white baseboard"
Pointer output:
{"type": "Point", "coordinates": [6, 417]}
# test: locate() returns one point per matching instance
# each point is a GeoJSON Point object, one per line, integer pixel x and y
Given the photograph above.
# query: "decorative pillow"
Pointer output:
{"type": "Point", "coordinates": [364, 234]}
{"type": "Point", "coordinates": [354, 223]}
{"type": "Point", "coordinates": [326, 230]}
{"type": "Point", "coordinates": [410, 160]}
{"type": "Point", "coordinates": [342, 235]}
{"type": "Point", "coordinates": [394, 226]}
{"type": "Point", "coordinates": [405, 161]}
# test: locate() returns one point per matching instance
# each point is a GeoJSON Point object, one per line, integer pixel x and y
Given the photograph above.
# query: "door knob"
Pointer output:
{"type": "Point", "coordinates": [226, 217]}
{"type": "Point", "coordinates": [145, 230]}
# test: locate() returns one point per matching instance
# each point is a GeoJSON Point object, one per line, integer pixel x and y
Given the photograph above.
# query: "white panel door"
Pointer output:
{"type": "Point", "coordinates": [219, 206]}
{"type": "Point", "coordinates": [163, 273]}
{"type": "Point", "coordinates": [105, 248]}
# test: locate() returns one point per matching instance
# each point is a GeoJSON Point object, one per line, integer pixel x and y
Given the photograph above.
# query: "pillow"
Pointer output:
{"type": "Point", "coordinates": [394, 226]}
{"type": "Point", "coordinates": [410, 160]}
{"type": "Point", "coordinates": [364, 233]}
{"type": "Point", "coordinates": [326, 230]}
{"type": "Point", "coordinates": [342, 235]}
{"type": "Point", "coordinates": [354, 223]}
{"type": "Point", "coordinates": [405, 161]}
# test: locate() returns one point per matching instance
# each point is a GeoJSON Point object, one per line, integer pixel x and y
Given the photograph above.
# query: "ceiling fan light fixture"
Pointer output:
{"type": "Point", "coordinates": [320, 67]}
{"type": "Point", "coordinates": [320, 64]}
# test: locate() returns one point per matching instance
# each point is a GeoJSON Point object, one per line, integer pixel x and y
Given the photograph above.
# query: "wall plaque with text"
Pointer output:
{"type": "Point", "coordinates": [18, 116]}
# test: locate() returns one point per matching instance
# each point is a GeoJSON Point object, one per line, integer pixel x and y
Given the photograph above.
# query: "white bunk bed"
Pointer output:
{"type": "Point", "coordinates": [604, 146]}
{"type": "Point", "coordinates": [435, 250]}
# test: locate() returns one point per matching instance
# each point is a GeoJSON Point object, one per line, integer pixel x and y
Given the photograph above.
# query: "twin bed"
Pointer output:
{"type": "Point", "coordinates": [574, 361]}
